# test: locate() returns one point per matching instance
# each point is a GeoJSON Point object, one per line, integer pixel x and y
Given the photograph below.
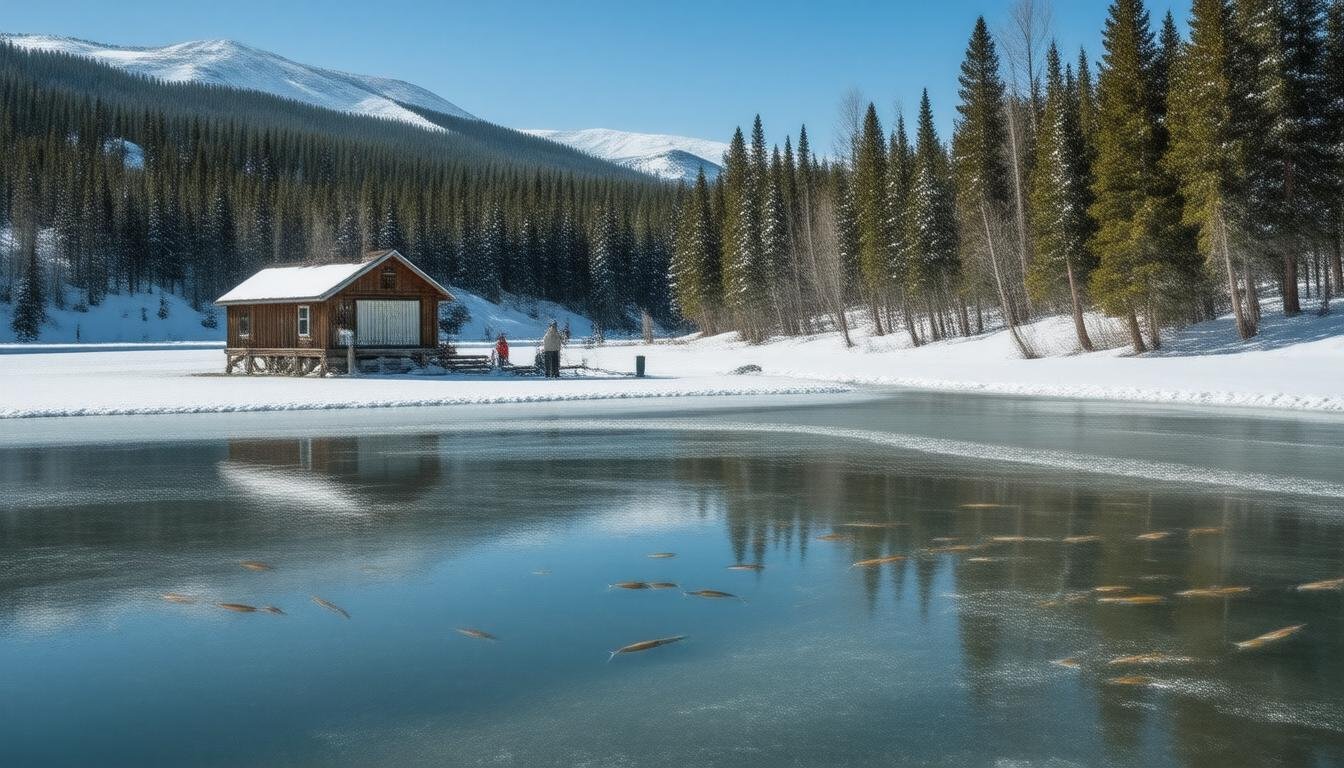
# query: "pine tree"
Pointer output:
{"type": "Point", "coordinates": [486, 259]}
{"type": "Point", "coordinates": [872, 213]}
{"type": "Point", "coordinates": [29, 305]}
{"type": "Point", "coordinates": [900, 180]}
{"type": "Point", "coordinates": [604, 302]}
{"type": "Point", "coordinates": [847, 231]}
{"type": "Point", "coordinates": [742, 245]}
{"type": "Point", "coordinates": [1208, 145]}
{"type": "Point", "coordinates": [775, 239]}
{"type": "Point", "coordinates": [1304, 151]}
{"type": "Point", "coordinates": [1333, 189]}
{"type": "Point", "coordinates": [1177, 274]}
{"type": "Point", "coordinates": [220, 255]}
{"type": "Point", "coordinates": [930, 222]}
{"type": "Point", "coordinates": [1060, 198]}
{"type": "Point", "coordinates": [1259, 58]}
{"type": "Point", "coordinates": [349, 239]}
{"type": "Point", "coordinates": [391, 234]}
{"type": "Point", "coordinates": [1087, 104]}
{"type": "Point", "coordinates": [1126, 161]}
{"type": "Point", "coordinates": [981, 169]}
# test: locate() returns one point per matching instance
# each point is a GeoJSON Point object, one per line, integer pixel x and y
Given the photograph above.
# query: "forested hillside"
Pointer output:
{"type": "Point", "coordinates": [111, 182]}
{"type": "Point", "coordinates": [1186, 179]}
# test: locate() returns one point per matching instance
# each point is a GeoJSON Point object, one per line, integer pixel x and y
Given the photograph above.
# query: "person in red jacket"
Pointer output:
{"type": "Point", "coordinates": [502, 350]}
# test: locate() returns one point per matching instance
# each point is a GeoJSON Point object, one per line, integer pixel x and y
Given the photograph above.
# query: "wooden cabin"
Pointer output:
{"type": "Point", "coordinates": [299, 319]}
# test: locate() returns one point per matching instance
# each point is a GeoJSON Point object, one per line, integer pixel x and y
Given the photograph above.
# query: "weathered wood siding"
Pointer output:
{"type": "Point", "coordinates": [276, 326]}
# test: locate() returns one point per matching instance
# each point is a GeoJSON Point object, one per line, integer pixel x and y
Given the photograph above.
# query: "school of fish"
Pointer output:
{"type": "Point", "coordinates": [1100, 594]}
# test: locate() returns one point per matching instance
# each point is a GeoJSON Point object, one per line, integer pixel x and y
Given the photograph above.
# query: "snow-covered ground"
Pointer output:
{"type": "Point", "coordinates": [1295, 363]}
{"type": "Point", "coordinates": [190, 381]}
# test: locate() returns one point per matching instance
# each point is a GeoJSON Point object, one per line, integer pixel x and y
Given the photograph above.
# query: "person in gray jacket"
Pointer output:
{"type": "Point", "coordinates": [550, 351]}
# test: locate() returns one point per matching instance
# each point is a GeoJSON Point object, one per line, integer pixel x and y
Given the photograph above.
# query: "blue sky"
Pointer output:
{"type": "Point", "coordinates": [688, 67]}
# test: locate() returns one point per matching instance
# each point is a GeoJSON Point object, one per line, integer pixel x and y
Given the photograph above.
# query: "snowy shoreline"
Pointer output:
{"type": "Point", "coordinates": [1294, 365]}
{"type": "Point", "coordinates": [469, 399]}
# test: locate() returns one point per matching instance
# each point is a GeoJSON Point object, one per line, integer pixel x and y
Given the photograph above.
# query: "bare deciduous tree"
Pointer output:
{"type": "Point", "coordinates": [827, 264]}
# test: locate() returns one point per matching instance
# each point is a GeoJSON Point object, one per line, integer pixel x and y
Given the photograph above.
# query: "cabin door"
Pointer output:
{"type": "Point", "coordinates": [387, 323]}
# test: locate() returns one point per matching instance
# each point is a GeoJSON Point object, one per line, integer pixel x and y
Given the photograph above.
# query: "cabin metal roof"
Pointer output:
{"type": "Point", "coordinates": [316, 282]}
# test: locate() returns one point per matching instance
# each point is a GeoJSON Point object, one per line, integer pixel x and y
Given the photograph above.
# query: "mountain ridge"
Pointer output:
{"type": "Point", "coordinates": [238, 65]}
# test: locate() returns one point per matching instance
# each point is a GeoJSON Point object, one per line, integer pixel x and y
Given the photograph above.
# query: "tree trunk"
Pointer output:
{"type": "Point", "coordinates": [1135, 334]}
{"type": "Point", "coordinates": [1021, 210]}
{"type": "Point", "coordinates": [877, 317]}
{"type": "Point", "coordinates": [1318, 262]}
{"type": "Point", "coordinates": [1291, 304]}
{"type": "Point", "coordinates": [998, 281]}
{"type": "Point", "coordinates": [1079, 328]}
{"type": "Point", "coordinates": [1309, 269]}
{"type": "Point", "coordinates": [1243, 328]}
{"type": "Point", "coordinates": [1252, 298]}
{"type": "Point", "coordinates": [1324, 308]}
{"type": "Point", "coordinates": [1338, 259]}
{"type": "Point", "coordinates": [1154, 329]}
{"type": "Point", "coordinates": [910, 323]}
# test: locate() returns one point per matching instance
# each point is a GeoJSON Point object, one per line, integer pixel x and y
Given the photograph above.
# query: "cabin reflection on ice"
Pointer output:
{"type": "Point", "coordinates": [354, 474]}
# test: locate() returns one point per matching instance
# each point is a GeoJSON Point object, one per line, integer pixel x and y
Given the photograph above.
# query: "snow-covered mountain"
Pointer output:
{"type": "Point", "coordinates": [232, 64]}
{"type": "Point", "coordinates": [228, 63]}
{"type": "Point", "coordinates": [664, 156]}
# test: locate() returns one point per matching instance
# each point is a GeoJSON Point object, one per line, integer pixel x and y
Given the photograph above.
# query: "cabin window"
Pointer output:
{"type": "Point", "coordinates": [303, 321]}
{"type": "Point", "coordinates": [389, 279]}
{"type": "Point", "coordinates": [244, 325]}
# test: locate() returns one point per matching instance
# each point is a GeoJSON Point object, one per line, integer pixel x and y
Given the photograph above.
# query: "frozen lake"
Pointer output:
{"type": "Point", "coordinates": [1008, 514]}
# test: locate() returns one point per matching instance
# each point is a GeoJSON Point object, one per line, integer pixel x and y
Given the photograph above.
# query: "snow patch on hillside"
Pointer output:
{"type": "Point", "coordinates": [517, 317]}
{"type": "Point", "coordinates": [119, 318]}
{"type": "Point", "coordinates": [132, 154]}
{"type": "Point", "coordinates": [665, 156]}
{"type": "Point", "coordinates": [232, 64]}
{"type": "Point", "coordinates": [134, 318]}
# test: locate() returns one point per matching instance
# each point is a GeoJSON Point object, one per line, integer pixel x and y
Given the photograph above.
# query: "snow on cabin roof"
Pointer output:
{"type": "Point", "coordinates": [316, 282]}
